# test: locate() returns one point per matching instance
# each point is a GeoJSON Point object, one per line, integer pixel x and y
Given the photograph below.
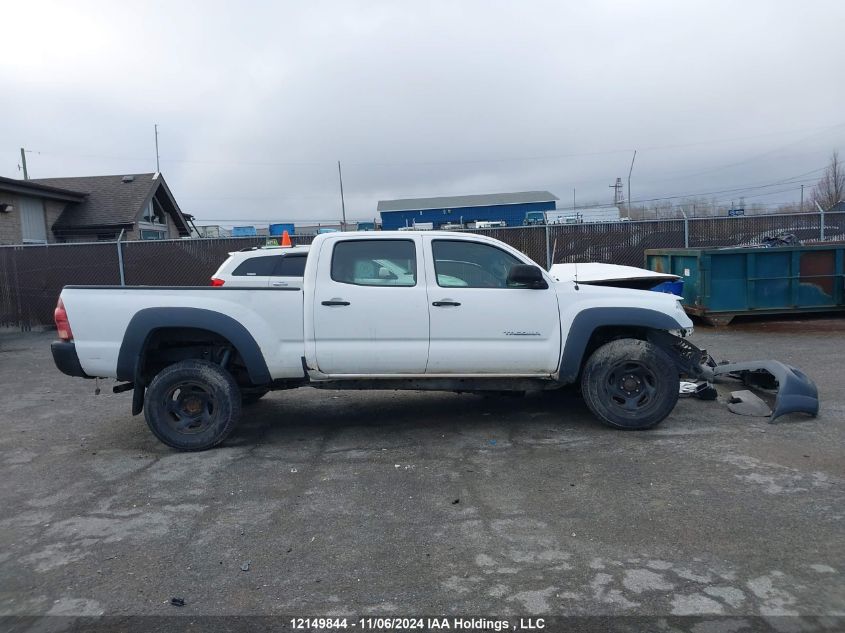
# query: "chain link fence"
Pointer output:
{"type": "Point", "coordinates": [32, 276]}
{"type": "Point", "coordinates": [184, 262]}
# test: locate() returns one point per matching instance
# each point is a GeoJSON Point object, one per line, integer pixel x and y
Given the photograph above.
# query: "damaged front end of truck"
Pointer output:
{"type": "Point", "coordinates": [793, 390]}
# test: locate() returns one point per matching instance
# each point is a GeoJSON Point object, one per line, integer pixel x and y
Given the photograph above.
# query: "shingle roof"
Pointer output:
{"type": "Point", "coordinates": [451, 202]}
{"type": "Point", "coordinates": [109, 200]}
{"type": "Point", "coordinates": [38, 189]}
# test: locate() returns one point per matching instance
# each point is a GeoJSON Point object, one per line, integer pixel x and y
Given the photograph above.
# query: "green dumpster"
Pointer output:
{"type": "Point", "coordinates": [721, 283]}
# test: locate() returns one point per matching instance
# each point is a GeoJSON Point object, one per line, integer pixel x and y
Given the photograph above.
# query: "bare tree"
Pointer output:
{"type": "Point", "coordinates": [830, 188]}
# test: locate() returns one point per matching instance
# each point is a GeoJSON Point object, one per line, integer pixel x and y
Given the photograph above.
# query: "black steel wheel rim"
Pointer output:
{"type": "Point", "coordinates": [630, 387]}
{"type": "Point", "coordinates": [190, 407]}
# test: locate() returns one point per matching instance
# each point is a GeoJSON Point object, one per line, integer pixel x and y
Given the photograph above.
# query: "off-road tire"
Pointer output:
{"type": "Point", "coordinates": [198, 397]}
{"type": "Point", "coordinates": [630, 384]}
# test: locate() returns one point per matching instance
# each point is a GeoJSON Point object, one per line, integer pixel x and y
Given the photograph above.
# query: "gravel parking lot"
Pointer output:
{"type": "Point", "coordinates": [386, 503]}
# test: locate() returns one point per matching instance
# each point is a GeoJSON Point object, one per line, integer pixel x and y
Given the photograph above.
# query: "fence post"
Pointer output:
{"type": "Point", "coordinates": [548, 251]}
{"type": "Point", "coordinates": [821, 221]}
{"type": "Point", "coordinates": [120, 258]}
{"type": "Point", "coordinates": [686, 227]}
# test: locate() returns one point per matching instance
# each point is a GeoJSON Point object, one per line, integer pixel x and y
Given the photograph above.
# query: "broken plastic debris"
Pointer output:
{"type": "Point", "coordinates": [700, 390]}
{"type": "Point", "coordinates": [705, 391]}
{"type": "Point", "coordinates": [245, 566]}
{"type": "Point", "coordinates": [748, 403]}
{"type": "Point", "coordinates": [687, 388]}
{"type": "Point", "coordinates": [177, 602]}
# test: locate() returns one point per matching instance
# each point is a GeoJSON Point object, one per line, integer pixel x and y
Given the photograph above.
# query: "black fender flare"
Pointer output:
{"type": "Point", "coordinates": [148, 320]}
{"type": "Point", "coordinates": [589, 320]}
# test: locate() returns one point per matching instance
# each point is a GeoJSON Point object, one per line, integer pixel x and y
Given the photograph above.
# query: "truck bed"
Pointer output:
{"type": "Point", "coordinates": [101, 314]}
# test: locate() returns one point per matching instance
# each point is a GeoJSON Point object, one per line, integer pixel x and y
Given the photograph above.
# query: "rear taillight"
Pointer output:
{"type": "Point", "coordinates": [217, 282]}
{"type": "Point", "coordinates": [62, 324]}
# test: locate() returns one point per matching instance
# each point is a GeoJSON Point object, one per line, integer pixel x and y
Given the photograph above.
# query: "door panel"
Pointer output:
{"type": "Point", "coordinates": [371, 309]}
{"type": "Point", "coordinates": [478, 323]}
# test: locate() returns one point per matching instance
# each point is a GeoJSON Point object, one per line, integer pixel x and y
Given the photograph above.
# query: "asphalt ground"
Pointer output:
{"type": "Point", "coordinates": [401, 503]}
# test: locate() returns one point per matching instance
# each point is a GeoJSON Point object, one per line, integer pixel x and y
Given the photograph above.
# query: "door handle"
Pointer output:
{"type": "Point", "coordinates": [335, 302]}
{"type": "Point", "coordinates": [446, 302]}
{"type": "Point", "coordinates": [279, 283]}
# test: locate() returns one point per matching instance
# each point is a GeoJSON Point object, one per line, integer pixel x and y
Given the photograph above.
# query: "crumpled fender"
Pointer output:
{"type": "Point", "coordinates": [796, 392]}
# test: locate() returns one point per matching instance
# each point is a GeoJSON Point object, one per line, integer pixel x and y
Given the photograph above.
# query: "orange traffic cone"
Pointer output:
{"type": "Point", "coordinates": [286, 243]}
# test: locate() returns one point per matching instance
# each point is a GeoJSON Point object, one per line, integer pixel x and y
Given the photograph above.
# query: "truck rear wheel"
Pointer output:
{"type": "Point", "coordinates": [630, 384]}
{"type": "Point", "coordinates": [192, 405]}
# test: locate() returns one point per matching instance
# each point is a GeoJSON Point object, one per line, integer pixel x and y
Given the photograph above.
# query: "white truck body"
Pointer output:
{"type": "Point", "coordinates": [388, 310]}
{"type": "Point", "coordinates": [384, 331]}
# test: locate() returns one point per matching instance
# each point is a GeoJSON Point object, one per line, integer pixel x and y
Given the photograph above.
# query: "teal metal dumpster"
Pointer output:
{"type": "Point", "coordinates": [721, 283]}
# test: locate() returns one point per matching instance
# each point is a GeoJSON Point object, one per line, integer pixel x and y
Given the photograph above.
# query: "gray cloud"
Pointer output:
{"type": "Point", "coordinates": [256, 101]}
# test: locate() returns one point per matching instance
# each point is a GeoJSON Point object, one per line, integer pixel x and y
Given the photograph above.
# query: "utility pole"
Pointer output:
{"type": "Point", "coordinates": [342, 203]}
{"type": "Point", "coordinates": [23, 164]}
{"type": "Point", "coordinates": [157, 167]}
{"type": "Point", "coordinates": [573, 198]}
{"type": "Point", "coordinates": [629, 182]}
{"type": "Point", "coordinates": [802, 199]}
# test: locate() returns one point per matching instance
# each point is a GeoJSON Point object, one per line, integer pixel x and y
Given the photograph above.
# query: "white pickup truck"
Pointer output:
{"type": "Point", "coordinates": [384, 310]}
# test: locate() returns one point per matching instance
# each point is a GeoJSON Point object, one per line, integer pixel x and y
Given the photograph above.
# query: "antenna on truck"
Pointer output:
{"type": "Point", "coordinates": [576, 276]}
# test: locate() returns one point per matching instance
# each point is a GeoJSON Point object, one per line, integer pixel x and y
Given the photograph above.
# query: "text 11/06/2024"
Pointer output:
{"type": "Point", "coordinates": [372, 623]}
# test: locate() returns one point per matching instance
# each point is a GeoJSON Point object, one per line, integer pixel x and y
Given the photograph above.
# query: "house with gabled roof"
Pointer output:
{"type": "Point", "coordinates": [90, 208]}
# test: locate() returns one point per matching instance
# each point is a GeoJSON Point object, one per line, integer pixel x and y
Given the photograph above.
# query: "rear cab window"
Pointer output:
{"type": "Point", "coordinates": [375, 263]}
{"type": "Point", "coordinates": [272, 266]}
{"type": "Point", "coordinates": [256, 267]}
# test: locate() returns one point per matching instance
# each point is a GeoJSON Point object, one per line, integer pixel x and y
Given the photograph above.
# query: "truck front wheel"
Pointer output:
{"type": "Point", "coordinates": [192, 405]}
{"type": "Point", "coordinates": [630, 384]}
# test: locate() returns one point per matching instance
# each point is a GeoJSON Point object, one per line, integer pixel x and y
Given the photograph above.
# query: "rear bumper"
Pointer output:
{"type": "Point", "coordinates": [64, 355]}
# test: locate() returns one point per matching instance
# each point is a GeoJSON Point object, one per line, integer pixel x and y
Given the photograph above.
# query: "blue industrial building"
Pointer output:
{"type": "Point", "coordinates": [495, 207]}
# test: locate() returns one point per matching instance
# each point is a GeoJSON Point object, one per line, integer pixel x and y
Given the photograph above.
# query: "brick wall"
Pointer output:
{"type": "Point", "coordinates": [10, 223]}
{"type": "Point", "coordinates": [52, 210]}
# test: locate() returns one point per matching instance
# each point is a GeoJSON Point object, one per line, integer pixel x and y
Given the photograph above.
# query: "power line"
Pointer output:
{"type": "Point", "coordinates": [332, 163]}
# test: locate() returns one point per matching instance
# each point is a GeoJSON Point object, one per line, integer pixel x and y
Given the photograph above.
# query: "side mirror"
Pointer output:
{"type": "Point", "coordinates": [526, 276]}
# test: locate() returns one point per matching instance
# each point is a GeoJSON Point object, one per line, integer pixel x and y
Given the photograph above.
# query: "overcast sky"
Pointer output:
{"type": "Point", "coordinates": [256, 101]}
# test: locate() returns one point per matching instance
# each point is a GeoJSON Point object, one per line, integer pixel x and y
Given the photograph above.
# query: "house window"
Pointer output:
{"type": "Point", "coordinates": [149, 214]}
{"type": "Point", "coordinates": [153, 213]}
{"type": "Point", "coordinates": [33, 222]}
{"type": "Point", "coordinates": [147, 234]}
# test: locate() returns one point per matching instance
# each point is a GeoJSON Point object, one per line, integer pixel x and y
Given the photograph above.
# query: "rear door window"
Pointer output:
{"type": "Point", "coordinates": [375, 263]}
{"type": "Point", "coordinates": [256, 267]}
{"type": "Point", "coordinates": [290, 266]}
